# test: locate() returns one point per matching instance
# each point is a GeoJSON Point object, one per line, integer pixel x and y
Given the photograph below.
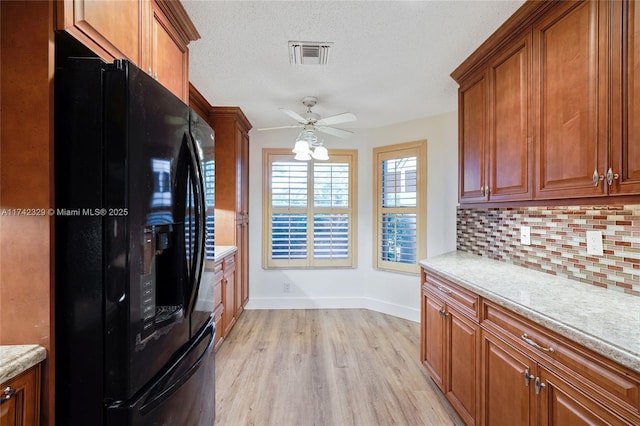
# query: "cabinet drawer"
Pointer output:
{"type": "Point", "coordinates": [229, 262]}
{"type": "Point", "coordinates": [458, 297]}
{"type": "Point", "coordinates": [589, 370]}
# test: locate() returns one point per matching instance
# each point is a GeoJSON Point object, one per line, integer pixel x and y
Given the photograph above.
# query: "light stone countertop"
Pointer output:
{"type": "Point", "coordinates": [605, 321]}
{"type": "Point", "coordinates": [15, 359]}
{"type": "Point", "coordinates": [220, 252]}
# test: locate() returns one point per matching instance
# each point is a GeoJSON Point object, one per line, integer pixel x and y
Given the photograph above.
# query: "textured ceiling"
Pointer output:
{"type": "Point", "coordinates": [390, 61]}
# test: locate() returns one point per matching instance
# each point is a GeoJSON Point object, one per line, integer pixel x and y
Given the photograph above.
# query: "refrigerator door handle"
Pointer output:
{"type": "Point", "coordinates": [199, 200]}
{"type": "Point", "coordinates": [157, 396]}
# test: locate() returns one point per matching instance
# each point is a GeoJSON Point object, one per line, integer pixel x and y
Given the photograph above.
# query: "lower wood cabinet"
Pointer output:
{"type": "Point", "coordinates": [507, 384]}
{"type": "Point", "coordinates": [20, 399]}
{"type": "Point", "coordinates": [498, 368]}
{"type": "Point", "coordinates": [227, 294]}
{"type": "Point", "coordinates": [449, 350]}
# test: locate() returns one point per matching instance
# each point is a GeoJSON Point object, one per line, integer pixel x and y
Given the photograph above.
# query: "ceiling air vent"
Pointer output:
{"type": "Point", "coordinates": [309, 52]}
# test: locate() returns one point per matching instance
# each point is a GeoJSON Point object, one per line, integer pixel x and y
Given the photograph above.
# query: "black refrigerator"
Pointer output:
{"type": "Point", "coordinates": [134, 251]}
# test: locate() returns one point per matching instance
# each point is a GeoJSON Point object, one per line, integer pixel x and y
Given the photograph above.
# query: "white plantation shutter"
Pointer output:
{"type": "Point", "coordinates": [309, 219]}
{"type": "Point", "coordinates": [400, 189]}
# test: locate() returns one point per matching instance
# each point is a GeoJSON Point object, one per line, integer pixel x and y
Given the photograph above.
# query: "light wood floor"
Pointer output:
{"type": "Point", "coordinates": [325, 367]}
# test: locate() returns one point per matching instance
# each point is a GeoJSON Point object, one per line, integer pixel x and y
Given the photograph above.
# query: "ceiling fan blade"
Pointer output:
{"type": "Point", "coordinates": [280, 127]}
{"type": "Point", "coordinates": [300, 119]}
{"type": "Point", "coordinates": [345, 117]}
{"type": "Point", "coordinates": [334, 131]}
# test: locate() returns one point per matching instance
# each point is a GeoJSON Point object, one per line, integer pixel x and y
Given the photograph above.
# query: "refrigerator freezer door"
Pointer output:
{"type": "Point", "coordinates": [182, 394]}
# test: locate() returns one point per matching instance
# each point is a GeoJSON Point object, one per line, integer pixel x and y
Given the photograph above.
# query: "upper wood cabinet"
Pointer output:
{"type": "Point", "coordinates": [153, 34]}
{"type": "Point", "coordinates": [112, 29]}
{"type": "Point", "coordinates": [510, 134]}
{"type": "Point", "coordinates": [168, 57]}
{"type": "Point", "coordinates": [472, 145]}
{"type": "Point", "coordinates": [623, 168]}
{"type": "Point", "coordinates": [495, 144]}
{"type": "Point", "coordinates": [571, 100]}
{"type": "Point", "coordinates": [547, 105]}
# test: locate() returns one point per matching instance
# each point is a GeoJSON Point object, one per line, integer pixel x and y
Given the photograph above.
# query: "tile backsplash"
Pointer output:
{"type": "Point", "coordinates": [558, 241]}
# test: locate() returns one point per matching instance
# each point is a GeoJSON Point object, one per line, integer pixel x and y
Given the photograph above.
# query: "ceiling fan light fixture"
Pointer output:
{"type": "Point", "coordinates": [320, 153]}
{"type": "Point", "coordinates": [301, 147]}
{"type": "Point", "coordinates": [302, 156]}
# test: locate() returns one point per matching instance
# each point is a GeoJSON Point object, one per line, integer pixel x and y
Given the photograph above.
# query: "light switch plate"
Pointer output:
{"type": "Point", "coordinates": [525, 235]}
{"type": "Point", "coordinates": [594, 243]}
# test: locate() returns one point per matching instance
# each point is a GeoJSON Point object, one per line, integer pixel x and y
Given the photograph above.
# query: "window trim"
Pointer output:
{"type": "Point", "coordinates": [388, 152]}
{"type": "Point", "coordinates": [269, 155]}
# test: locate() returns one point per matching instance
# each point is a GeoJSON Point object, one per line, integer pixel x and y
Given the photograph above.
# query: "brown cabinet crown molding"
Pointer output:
{"type": "Point", "coordinates": [199, 103]}
{"type": "Point", "coordinates": [233, 113]}
{"type": "Point", "coordinates": [513, 27]}
{"type": "Point", "coordinates": [177, 15]}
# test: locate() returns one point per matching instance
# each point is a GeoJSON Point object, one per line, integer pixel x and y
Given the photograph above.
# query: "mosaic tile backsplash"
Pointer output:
{"type": "Point", "coordinates": [558, 241]}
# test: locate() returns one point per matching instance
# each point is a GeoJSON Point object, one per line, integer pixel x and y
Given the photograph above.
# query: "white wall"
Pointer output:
{"type": "Point", "coordinates": [387, 292]}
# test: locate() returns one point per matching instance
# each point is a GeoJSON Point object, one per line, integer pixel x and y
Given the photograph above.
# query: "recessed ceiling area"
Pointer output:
{"type": "Point", "coordinates": [389, 63]}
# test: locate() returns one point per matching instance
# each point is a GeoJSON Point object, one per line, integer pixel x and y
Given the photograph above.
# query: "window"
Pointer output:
{"type": "Point", "coordinates": [400, 180]}
{"type": "Point", "coordinates": [309, 210]}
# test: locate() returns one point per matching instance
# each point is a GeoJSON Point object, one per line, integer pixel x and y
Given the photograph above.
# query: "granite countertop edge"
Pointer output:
{"type": "Point", "coordinates": [598, 344]}
{"type": "Point", "coordinates": [220, 252]}
{"type": "Point", "coordinates": [16, 359]}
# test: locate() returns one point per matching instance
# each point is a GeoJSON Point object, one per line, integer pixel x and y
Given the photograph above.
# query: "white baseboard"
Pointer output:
{"type": "Point", "coordinates": [405, 312]}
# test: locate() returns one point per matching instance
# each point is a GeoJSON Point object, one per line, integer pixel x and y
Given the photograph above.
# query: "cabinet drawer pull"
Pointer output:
{"type": "Point", "coordinates": [444, 290]}
{"type": "Point", "coordinates": [7, 394]}
{"type": "Point", "coordinates": [536, 345]}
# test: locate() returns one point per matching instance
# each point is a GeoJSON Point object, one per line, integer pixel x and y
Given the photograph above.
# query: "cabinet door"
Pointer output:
{"type": "Point", "coordinates": [169, 55]}
{"type": "Point", "coordinates": [433, 347]}
{"type": "Point", "coordinates": [510, 163]}
{"type": "Point", "coordinates": [243, 261]}
{"type": "Point", "coordinates": [23, 408]}
{"type": "Point", "coordinates": [507, 398]}
{"type": "Point", "coordinates": [229, 295]}
{"type": "Point", "coordinates": [112, 29]}
{"type": "Point", "coordinates": [561, 404]}
{"type": "Point", "coordinates": [571, 104]}
{"type": "Point", "coordinates": [624, 159]}
{"type": "Point", "coordinates": [472, 145]}
{"type": "Point", "coordinates": [462, 373]}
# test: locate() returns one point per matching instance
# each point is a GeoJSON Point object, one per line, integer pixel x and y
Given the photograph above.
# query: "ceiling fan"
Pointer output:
{"type": "Point", "coordinates": [311, 121]}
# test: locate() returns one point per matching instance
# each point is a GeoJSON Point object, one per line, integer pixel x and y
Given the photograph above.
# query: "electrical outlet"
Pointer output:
{"type": "Point", "coordinates": [525, 235]}
{"type": "Point", "coordinates": [594, 243]}
{"type": "Point", "coordinates": [286, 287]}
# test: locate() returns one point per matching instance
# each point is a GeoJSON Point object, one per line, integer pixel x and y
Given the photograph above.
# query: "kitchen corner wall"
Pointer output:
{"type": "Point", "coordinates": [558, 244]}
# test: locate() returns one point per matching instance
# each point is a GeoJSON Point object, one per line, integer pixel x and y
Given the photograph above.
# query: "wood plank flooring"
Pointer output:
{"type": "Point", "coordinates": [325, 367]}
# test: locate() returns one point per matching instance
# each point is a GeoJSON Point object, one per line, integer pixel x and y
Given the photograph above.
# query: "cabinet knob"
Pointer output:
{"type": "Point", "coordinates": [527, 377]}
{"type": "Point", "coordinates": [611, 176]}
{"type": "Point", "coordinates": [597, 178]}
{"type": "Point", "coordinates": [539, 385]}
{"type": "Point", "coordinates": [7, 393]}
